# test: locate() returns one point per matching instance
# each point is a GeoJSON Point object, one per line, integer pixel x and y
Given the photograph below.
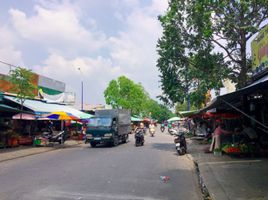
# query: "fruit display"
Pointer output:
{"type": "Point", "coordinates": [230, 149]}
{"type": "Point", "coordinates": [241, 148]}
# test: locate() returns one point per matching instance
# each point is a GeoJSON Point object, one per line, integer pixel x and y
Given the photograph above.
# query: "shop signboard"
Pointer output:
{"type": "Point", "coordinates": [50, 86]}
{"type": "Point", "coordinates": [259, 48]}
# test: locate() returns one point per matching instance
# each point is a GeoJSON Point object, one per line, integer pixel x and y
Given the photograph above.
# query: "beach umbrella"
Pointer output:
{"type": "Point", "coordinates": [174, 119]}
{"type": "Point", "coordinates": [60, 115]}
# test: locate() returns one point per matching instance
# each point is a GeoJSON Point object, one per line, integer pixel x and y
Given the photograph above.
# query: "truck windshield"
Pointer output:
{"type": "Point", "coordinates": [100, 122]}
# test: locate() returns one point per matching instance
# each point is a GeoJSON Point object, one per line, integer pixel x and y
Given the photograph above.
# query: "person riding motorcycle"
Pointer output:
{"type": "Point", "coordinates": [139, 133]}
{"type": "Point", "coordinates": [162, 127]}
{"type": "Point", "coordinates": [152, 129]}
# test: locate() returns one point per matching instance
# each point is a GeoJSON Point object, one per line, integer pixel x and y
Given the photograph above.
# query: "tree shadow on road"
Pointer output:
{"type": "Point", "coordinates": [170, 147]}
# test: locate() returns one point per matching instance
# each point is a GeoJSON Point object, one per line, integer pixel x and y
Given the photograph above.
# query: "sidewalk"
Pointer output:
{"type": "Point", "coordinates": [228, 178]}
{"type": "Point", "coordinates": [23, 151]}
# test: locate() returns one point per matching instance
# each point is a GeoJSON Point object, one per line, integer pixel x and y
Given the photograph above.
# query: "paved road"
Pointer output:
{"type": "Point", "coordinates": [125, 172]}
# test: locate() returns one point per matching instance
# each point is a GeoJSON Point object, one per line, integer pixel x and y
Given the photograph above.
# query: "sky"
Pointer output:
{"type": "Point", "coordinates": [104, 38]}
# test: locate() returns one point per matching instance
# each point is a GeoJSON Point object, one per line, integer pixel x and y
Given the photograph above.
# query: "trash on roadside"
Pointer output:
{"type": "Point", "coordinates": [165, 178]}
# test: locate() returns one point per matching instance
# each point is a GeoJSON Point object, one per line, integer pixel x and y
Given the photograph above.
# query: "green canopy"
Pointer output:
{"type": "Point", "coordinates": [174, 119]}
{"type": "Point", "coordinates": [135, 119]}
{"type": "Point", "coordinates": [84, 115]}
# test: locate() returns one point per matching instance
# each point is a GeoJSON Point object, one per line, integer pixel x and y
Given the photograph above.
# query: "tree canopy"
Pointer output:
{"type": "Point", "coordinates": [188, 62]}
{"type": "Point", "coordinates": [21, 79]}
{"type": "Point", "coordinates": [124, 93]}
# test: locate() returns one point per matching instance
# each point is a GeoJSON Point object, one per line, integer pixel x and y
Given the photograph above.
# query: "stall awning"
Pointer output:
{"type": "Point", "coordinates": [136, 119]}
{"type": "Point", "coordinates": [24, 116]}
{"type": "Point", "coordinates": [40, 107]}
{"type": "Point", "coordinates": [5, 108]}
{"type": "Point", "coordinates": [235, 97]}
{"type": "Point", "coordinates": [188, 113]}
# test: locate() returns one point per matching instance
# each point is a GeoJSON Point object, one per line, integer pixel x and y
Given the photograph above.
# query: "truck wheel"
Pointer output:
{"type": "Point", "coordinates": [115, 141]}
{"type": "Point", "coordinates": [93, 144]}
{"type": "Point", "coordinates": [125, 139]}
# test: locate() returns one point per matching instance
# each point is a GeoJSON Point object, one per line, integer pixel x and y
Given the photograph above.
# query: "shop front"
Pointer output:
{"type": "Point", "coordinates": [34, 123]}
{"type": "Point", "coordinates": [244, 109]}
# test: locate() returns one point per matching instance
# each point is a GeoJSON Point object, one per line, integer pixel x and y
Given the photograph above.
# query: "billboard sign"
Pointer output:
{"type": "Point", "coordinates": [259, 48]}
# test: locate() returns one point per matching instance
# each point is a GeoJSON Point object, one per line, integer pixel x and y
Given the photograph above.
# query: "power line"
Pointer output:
{"type": "Point", "coordinates": [8, 64]}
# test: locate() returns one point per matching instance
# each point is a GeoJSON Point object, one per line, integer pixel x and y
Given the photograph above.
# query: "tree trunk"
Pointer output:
{"type": "Point", "coordinates": [242, 77]}
{"type": "Point", "coordinates": [21, 108]}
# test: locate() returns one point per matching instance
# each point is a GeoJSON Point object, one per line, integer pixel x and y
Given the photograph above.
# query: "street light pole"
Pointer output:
{"type": "Point", "coordinates": [82, 91]}
{"type": "Point", "coordinates": [82, 96]}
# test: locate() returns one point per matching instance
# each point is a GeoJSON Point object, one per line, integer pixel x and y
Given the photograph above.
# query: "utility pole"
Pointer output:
{"type": "Point", "coordinates": [82, 90]}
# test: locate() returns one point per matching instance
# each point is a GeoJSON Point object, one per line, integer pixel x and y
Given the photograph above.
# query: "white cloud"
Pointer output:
{"type": "Point", "coordinates": [135, 48]}
{"type": "Point", "coordinates": [96, 73]}
{"type": "Point", "coordinates": [57, 27]}
{"type": "Point", "coordinates": [66, 43]}
{"type": "Point", "coordinates": [8, 53]}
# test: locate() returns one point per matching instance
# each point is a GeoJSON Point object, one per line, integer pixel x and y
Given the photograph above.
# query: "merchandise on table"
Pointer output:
{"type": "Point", "coordinates": [229, 149]}
{"type": "Point", "coordinates": [40, 141]}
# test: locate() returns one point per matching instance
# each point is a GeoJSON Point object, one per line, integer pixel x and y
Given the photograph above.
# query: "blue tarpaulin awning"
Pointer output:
{"type": "Point", "coordinates": [40, 107]}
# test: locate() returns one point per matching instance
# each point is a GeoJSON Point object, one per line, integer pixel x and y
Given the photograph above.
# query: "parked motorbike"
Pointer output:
{"type": "Point", "coordinates": [180, 143]}
{"type": "Point", "coordinates": [139, 138]}
{"type": "Point", "coordinates": [59, 137]}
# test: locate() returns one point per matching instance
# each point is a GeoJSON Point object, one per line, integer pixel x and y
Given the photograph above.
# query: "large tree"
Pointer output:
{"type": "Point", "coordinates": [229, 25]}
{"type": "Point", "coordinates": [187, 72]}
{"type": "Point", "coordinates": [22, 78]}
{"type": "Point", "coordinates": [188, 62]}
{"type": "Point", "coordinates": [124, 93]}
{"type": "Point", "coordinates": [157, 111]}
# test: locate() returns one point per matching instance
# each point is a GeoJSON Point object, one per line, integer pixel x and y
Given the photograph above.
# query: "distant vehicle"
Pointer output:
{"type": "Point", "coordinates": [110, 127]}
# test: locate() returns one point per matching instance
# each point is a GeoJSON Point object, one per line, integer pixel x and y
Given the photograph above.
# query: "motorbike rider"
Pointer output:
{"type": "Point", "coordinates": [162, 127]}
{"type": "Point", "coordinates": [152, 128]}
{"type": "Point", "coordinates": [139, 129]}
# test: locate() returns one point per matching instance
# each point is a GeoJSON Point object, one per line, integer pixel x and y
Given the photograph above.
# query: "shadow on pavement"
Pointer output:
{"type": "Point", "coordinates": [170, 147]}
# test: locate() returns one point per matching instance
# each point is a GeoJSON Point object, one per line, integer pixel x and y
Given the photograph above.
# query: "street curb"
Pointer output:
{"type": "Point", "coordinates": [202, 185]}
{"type": "Point", "coordinates": [36, 153]}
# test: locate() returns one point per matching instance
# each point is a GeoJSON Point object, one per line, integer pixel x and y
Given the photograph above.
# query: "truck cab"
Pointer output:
{"type": "Point", "coordinates": [108, 127]}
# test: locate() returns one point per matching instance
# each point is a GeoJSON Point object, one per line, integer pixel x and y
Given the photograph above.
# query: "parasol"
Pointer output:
{"type": "Point", "coordinates": [60, 115]}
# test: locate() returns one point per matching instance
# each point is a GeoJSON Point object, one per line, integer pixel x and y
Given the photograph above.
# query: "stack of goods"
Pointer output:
{"type": "Point", "coordinates": [40, 141]}
{"type": "Point", "coordinates": [25, 140]}
{"type": "Point", "coordinates": [231, 149]}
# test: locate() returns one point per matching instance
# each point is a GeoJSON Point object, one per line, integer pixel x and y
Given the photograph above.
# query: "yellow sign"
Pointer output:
{"type": "Point", "coordinates": [259, 48]}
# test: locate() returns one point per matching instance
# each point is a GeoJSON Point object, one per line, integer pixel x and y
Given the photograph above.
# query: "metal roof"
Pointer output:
{"type": "Point", "coordinates": [40, 107]}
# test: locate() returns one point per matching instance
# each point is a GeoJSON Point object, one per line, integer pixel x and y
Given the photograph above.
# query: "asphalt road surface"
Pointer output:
{"type": "Point", "coordinates": [124, 172]}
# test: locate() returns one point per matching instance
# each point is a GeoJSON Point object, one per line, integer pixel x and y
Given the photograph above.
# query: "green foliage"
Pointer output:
{"type": "Point", "coordinates": [191, 31]}
{"type": "Point", "coordinates": [157, 111]}
{"type": "Point", "coordinates": [21, 79]}
{"type": "Point", "coordinates": [186, 71]}
{"type": "Point", "coordinates": [183, 107]}
{"type": "Point", "coordinates": [124, 93]}
{"type": "Point", "coordinates": [229, 25]}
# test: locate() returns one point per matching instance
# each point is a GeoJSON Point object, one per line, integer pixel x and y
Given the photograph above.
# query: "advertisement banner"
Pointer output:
{"type": "Point", "coordinates": [259, 48]}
